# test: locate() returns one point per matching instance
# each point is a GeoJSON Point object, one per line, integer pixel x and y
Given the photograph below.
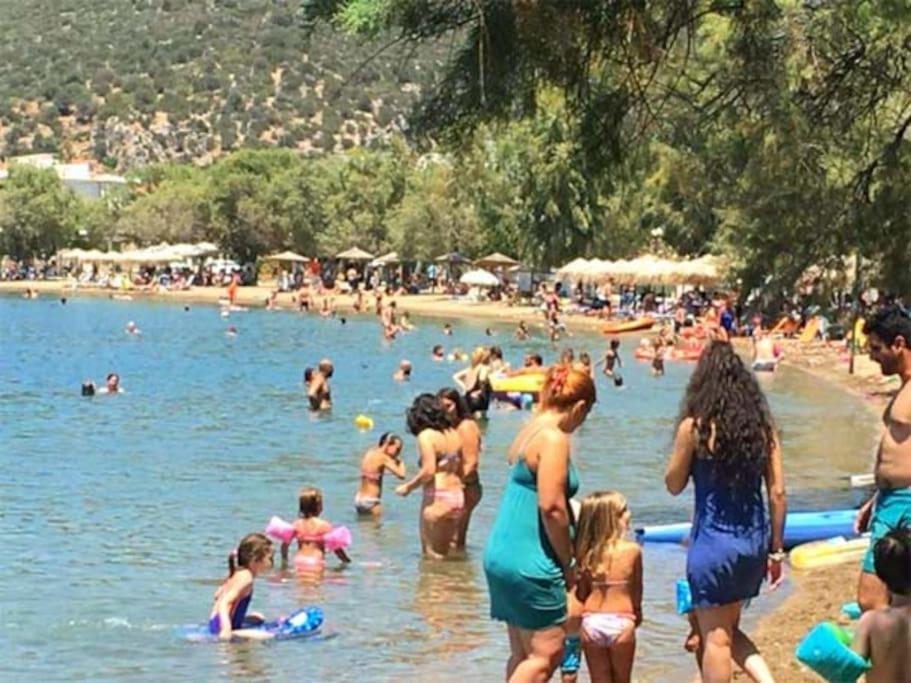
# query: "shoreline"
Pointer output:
{"type": "Point", "coordinates": [434, 305]}
{"type": "Point", "coordinates": [814, 596]}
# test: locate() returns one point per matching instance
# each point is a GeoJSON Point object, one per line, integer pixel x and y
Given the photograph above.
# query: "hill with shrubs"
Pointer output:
{"type": "Point", "coordinates": [134, 82]}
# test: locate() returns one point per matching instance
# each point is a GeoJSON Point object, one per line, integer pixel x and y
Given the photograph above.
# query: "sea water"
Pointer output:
{"type": "Point", "coordinates": [118, 512]}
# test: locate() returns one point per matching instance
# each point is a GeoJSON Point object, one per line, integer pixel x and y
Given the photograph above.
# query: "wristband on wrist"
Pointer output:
{"type": "Point", "coordinates": [778, 555]}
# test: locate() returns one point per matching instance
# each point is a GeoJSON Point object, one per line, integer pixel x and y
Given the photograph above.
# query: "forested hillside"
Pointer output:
{"type": "Point", "coordinates": [135, 81]}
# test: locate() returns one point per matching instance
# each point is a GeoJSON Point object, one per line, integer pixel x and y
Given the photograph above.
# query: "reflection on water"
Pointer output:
{"type": "Point", "coordinates": [119, 512]}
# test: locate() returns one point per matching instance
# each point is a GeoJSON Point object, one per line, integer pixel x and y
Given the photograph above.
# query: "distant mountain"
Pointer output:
{"type": "Point", "coordinates": [128, 82]}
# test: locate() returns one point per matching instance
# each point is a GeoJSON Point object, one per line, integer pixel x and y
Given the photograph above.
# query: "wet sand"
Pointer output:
{"type": "Point", "coordinates": [815, 595]}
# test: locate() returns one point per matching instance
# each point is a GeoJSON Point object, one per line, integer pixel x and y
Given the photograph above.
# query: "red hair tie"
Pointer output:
{"type": "Point", "coordinates": [559, 378]}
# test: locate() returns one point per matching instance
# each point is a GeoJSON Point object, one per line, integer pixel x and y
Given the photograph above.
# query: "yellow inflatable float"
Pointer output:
{"type": "Point", "coordinates": [828, 552]}
{"type": "Point", "coordinates": [530, 383]}
{"type": "Point", "coordinates": [363, 422]}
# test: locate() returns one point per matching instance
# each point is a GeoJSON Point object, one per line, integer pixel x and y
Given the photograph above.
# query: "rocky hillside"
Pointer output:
{"type": "Point", "coordinates": [133, 81]}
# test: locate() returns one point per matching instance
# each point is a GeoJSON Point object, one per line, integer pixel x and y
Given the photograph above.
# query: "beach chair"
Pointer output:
{"type": "Point", "coordinates": [809, 331]}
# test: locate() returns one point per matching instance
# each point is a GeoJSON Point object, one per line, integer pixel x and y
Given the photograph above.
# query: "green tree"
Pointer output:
{"type": "Point", "coordinates": [36, 213]}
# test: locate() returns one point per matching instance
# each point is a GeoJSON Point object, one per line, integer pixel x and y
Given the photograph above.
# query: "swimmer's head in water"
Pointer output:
{"type": "Point", "coordinates": [496, 353]}
{"type": "Point", "coordinates": [252, 548]}
{"type": "Point", "coordinates": [533, 360]}
{"type": "Point", "coordinates": [326, 367]}
{"type": "Point", "coordinates": [186, 308]}
{"type": "Point", "coordinates": [88, 388]}
{"type": "Point", "coordinates": [405, 367]}
{"type": "Point", "coordinates": [454, 404]}
{"type": "Point", "coordinates": [584, 358]}
{"type": "Point", "coordinates": [63, 300]}
{"type": "Point", "coordinates": [488, 332]}
{"type": "Point", "coordinates": [438, 351]}
{"type": "Point", "coordinates": [310, 502]}
{"type": "Point", "coordinates": [567, 356]}
{"type": "Point", "coordinates": [615, 344]}
{"type": "Point", "coordinates": [618, 380]}
{"type": "Point", "coordinates": [112, 381]}
{"type": "Point", "coordinates": [391, 443]}
{"type": "Point", "coordinates": [343, 321]}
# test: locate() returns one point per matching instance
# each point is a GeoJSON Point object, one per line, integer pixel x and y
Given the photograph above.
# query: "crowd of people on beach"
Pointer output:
{"type": "Point", "coordinates": [561, 571]}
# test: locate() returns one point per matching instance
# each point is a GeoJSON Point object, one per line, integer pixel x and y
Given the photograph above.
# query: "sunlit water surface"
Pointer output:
{"type": "Point", "coordinates": [118, 512]}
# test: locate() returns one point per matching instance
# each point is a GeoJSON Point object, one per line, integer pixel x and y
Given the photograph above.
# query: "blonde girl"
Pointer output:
{"type": "Point", "coordinates": [609, 589]}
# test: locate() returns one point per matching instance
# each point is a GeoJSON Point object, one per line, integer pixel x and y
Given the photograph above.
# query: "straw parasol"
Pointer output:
{"type": "Point", "coordinates": [286, 256]}
{"type": "Point", "coordinates": [479, 278]}
{"type": "Point", "coordinates": [496, 260]}
{"type": "Point", "coordinates": [385, 260]}
{"type": "Point", "coordinates": [355, 254]}
{"type": "Point", "coordinates": [573, 269]}
{"type": "Point", "coordinates": [453, 258]}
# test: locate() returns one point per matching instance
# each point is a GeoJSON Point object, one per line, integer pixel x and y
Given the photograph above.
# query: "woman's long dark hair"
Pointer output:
{"type": "Point", "coordinates": [462, 411]}
{"type": "Point", "coordinates": [427, 412]}
{"type": "Point", "coordinates": [723, 393]}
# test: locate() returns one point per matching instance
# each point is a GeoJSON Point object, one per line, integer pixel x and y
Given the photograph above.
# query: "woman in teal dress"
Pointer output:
{"type": "Point", "coordinates": [528, 558]}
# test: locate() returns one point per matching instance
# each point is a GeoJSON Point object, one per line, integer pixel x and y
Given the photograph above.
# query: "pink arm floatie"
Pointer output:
{"type": "Point", "coordinates": [337, 539]}
{"type": "Point", "coordinates": [280, 530]}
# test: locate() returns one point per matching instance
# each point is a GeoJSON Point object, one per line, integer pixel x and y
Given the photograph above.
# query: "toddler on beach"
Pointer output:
{"type": "Point", "coordinates": [253, 555]}
{"type": "Point", "coordinates": [608, 592]}
{"type": "Point", "coordinates": [315, 535]}
{"type": "Point", "coordinates": [884, 635]}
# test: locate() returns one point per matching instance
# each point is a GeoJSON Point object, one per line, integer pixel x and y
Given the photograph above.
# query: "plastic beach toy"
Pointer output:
{"type": "Point", "coordinates": [280, 530]}
{"type": "Point", "coordinates": [827, 651]}
{"type": "Point", "coordinates": [851, 610]}
{"type": "Point", "coordinates": [300, 624]}
{"type": "Point", "coordinates": [684, 597]}
{"type": "Point", "coordinates": [363, 422]}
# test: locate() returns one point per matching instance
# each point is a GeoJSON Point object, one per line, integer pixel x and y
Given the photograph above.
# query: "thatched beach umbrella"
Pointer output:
{"type": "Point", "coordinates": [354, 254]}
{"type": "Point", "coordinates": [496, 260]}
{"type": "Point", "coordinates": [286, 257]}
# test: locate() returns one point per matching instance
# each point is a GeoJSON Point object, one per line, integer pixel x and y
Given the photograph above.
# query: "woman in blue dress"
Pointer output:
{"type": "Point", "coordinates": [726, 442]}
{"type": "Point", "coordinates": [529, 555]}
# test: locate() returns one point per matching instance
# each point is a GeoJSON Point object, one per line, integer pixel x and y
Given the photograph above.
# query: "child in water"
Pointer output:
{"type": "Point", "coordinates": [385, 456]}
{"type": "Point", "coordinates": [611, 358]}
{"type": "Point", "coordinates": [658, 360]}
{"type": "Point", "coordinates": [608, 592]}
{"type": "Point", "coordinates": [883, 635]}
{"type": "Point", "coordinates": [254, 555]}
{"type": "Point", "coordinates": [315, 535]}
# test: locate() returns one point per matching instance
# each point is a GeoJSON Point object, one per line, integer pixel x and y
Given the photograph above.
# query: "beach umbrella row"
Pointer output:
{"type": "Point", "coordinates": [645, 270]}
{"type": "Point", "coordinates": [161, 253]}
{"type": "Point", "coordinates": [479, 278]}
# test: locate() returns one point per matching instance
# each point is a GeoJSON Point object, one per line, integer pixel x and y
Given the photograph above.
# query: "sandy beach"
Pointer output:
{"type": "Point", "coordinates": [814, 596]}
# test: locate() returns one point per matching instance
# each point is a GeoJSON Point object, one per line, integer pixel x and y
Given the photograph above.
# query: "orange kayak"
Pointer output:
{"type": "Point", "coordinates": [618, 326]}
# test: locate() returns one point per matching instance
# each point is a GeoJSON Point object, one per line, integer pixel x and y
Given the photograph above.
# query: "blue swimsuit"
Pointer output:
{"type": "Point", "coordinates": [237, 619]}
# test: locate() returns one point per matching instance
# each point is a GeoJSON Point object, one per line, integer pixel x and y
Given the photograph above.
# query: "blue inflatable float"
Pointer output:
{"type": "Point", "coordinates": [800, 527]}
{"type": "Point", "coordinates": [304, 623]}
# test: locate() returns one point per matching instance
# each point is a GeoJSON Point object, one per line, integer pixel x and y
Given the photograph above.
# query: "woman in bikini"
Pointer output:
{"type": "Point", "coordinates": [440, 474]}
{"type": "Point", "coordinates": [385, 456]}
{"type": "Point", "coordinates": [471, 455]}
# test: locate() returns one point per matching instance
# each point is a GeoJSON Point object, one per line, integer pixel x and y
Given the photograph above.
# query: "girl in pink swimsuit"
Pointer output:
{"type": "Point", "coordinates": [609, 589]}
{"type": "Point", "coordinates": [386, 456]}
{"type": "Point", "coordinates": [315, 535]}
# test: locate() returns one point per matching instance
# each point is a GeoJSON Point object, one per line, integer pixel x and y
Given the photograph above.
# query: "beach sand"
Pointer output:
{"type": "Point", "coordinates": [816, 595]}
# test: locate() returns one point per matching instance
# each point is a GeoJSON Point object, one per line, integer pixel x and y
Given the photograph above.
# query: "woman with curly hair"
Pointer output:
{"type": "Point", "coordinates": [726, 442]}
{"type": "Point", "coordinates": [440, 474]}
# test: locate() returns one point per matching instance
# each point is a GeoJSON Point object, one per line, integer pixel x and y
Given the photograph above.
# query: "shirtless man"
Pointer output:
{"type": "Point", "coordinates": [889, 337]}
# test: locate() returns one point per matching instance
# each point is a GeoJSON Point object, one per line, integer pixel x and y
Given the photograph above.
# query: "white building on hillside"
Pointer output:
{"type": "Point", "coordinates": [79, 177]}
